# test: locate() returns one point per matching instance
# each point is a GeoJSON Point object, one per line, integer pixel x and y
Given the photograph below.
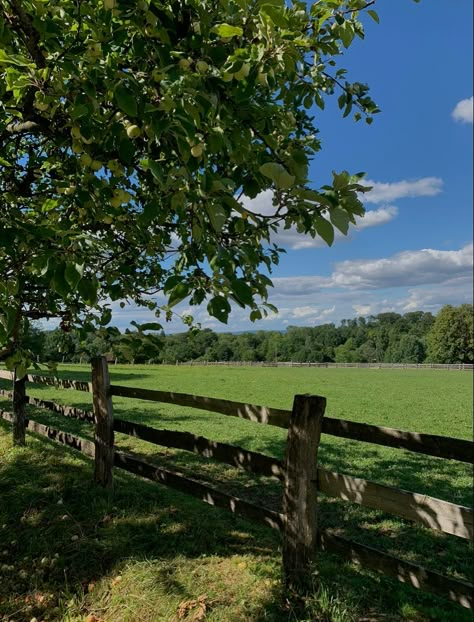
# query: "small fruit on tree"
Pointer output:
{"type": "Point", "coordinates": [196, 150]}
{"type": "Point", "coordinates": [133, 131]}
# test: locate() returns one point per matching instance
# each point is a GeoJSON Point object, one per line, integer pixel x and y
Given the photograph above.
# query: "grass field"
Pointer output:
{"type": "Point", "coordinates": [145, 551]}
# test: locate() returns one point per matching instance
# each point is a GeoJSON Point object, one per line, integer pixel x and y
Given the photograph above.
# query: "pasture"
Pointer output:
{"type": "Point", "coordinates": [150, 553]}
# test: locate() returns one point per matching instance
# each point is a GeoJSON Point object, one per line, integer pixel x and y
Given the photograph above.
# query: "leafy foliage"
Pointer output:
{"type": "Point", "coordinates": [130, 131]}
{"type": "Point", "coordinates": [451, 340]}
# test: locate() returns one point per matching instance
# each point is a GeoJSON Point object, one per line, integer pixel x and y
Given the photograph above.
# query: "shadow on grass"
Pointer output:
{"type": "Point", "coordinates": [50, 507]}
{"type": "Point", "coordinates": [50, 510]}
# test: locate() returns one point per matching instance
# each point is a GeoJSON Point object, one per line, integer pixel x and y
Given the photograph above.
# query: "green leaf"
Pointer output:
{"type": "Point", "coordinates": [14, 59]}
{"type": "Point", "coordinates": [242, 291]}
{"type": "Point", "coordinates": [58, 282]}
{"type": "Point", "coordinates": [339, 219]}
{"type": "Point", "coordinates": [374, 16]}
{"type": "Point", "coordinates": [156, 170]}
{"type": "Point", "coordinates": [277, 15]}
{"type": "Point", "coordinates": [87, 288]}
{"type": "Point", "coordinates": [219, 308]}
{"type": "Point", "coordinates": [217, 216]}
{"type": "Point", "coordinates": [278, 174]}
{"type": "Point", "coordinates": [325, 230]}
{"type": "Point", "coordinates": [256, 314]}
{"type": "Point", "coordinates": [73, 274]}
{"type": "Point", "coordinates": [126, 100]}
{"type": "Point", "coordinates": [178, 294]}
{"type": "Point", "coordinates": [226, 30]}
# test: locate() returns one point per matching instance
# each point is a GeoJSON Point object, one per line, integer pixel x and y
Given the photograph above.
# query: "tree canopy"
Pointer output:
{"type": "Point", "coordinates": [131, 131]}
{"type": "Point", "coordinates": [451, 340]}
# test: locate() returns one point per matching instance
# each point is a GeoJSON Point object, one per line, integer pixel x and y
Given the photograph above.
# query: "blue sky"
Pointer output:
{"type": "Point", "coordinates": [413, 251]}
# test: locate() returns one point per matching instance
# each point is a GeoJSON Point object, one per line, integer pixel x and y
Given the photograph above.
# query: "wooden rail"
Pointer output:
{"type": "Point", "coordinates": [445, 366]}
{"type": "Point", "coordinates": [74, 442]}
{"type": "Point", "coordinates": [204, 492]}
{"type": "Point", "coordinates": [77, 385]}
{"type": "Point", "coordinates": [436, 514]}
{"type": "Point", "coordinates": [428, 444]}
{"type": "Point", "coordinates": [222, 452]}
{"type": "Point", "coordinates": [60, 409]}
{"type": "Point", "coordinates": [258, 414]}
{"type": "Point", "coordinates": [460, 592]}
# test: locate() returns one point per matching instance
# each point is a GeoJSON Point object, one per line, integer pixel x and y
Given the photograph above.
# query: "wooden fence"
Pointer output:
{"type": "Point", "coordinates": [299, 473]}
{"type": "Point", "coordinates": [445, 366]}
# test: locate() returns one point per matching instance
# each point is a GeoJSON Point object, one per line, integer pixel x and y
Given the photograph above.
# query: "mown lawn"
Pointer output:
{"type": "Point", "coordinates": [145, 551]}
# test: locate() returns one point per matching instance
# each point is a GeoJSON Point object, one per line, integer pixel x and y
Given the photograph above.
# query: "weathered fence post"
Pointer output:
{"type": "Point", "coordinates": [18, 405]}
{"type": "Point", "coordinates": [104, 422]}
{"type": "Point", "coordinates": [300, 500]}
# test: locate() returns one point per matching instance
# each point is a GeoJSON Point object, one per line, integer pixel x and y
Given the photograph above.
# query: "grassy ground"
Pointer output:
{"type": "Point", "coordinates": [149, 554]}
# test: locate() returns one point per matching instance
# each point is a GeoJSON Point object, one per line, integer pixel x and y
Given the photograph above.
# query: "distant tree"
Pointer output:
{"type": "Point", "coordinates": [346, 352]}
{"type": "Point", "coordinates": [406, 349]}
{"type": "Point", "coordinates": [451, 338]}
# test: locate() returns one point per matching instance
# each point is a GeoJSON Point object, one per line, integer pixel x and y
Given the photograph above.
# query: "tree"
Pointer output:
{"type": "Point", "coordinates": [129, 133]}
{"type": "Point", "coordinates": [451, 339]}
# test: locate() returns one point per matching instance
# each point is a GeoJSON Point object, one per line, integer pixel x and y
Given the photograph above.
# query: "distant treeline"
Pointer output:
{"type": "Point", "coordinates": [415, 337]}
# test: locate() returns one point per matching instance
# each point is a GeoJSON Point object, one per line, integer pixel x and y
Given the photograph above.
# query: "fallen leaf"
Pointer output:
{"type": "Point", "coordinates": [197, 608]}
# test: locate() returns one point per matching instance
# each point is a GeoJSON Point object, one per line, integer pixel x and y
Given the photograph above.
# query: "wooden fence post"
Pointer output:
{"type": "Point", "coordinates": [300, 500]}
{"type": "Point", "coordinates": [18, 404]}
{"type": "Point", "coordinates": [104, 422]}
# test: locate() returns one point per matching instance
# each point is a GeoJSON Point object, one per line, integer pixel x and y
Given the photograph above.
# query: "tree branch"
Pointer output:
{"type": "Point", "coordinates": [32, 36]}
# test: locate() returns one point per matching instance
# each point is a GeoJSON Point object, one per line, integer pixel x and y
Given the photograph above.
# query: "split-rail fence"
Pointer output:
{"type": "Point", "coordinates": [299, 473]}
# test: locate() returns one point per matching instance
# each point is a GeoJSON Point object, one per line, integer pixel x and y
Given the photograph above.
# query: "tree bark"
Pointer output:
{"type": "Point", "coordinates": [19, 402]}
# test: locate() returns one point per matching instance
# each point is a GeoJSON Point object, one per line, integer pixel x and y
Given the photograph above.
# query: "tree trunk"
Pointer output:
{"type": "Point", "coordinates": [19, 401]}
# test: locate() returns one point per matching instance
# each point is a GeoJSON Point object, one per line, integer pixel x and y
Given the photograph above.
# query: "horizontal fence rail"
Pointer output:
{"type": "Point", "coordinates": [430, 444]}
{"type": "Point", "coordinates": [455, 590]}
{"type": "Point", "coordinates": [460, 592]}
{"type": "Point", "coordinates": [252, 412]}
{"type": "Point", "coordinates": [431, 512]}
{"type": "Point", "coordinates": [446, 366]}
{"type": "Point", "coordinates": [77, 385]}
{"type": "Point", "coordinates": [222, 452]}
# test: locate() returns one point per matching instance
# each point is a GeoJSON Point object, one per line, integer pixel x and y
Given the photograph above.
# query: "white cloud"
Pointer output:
{"type": "Point", "coordinates": [408, 281]}
{"type": "Point", "coordinates": [261, 204]}
{"type": "Point", "coordinates": [464, 111]}
{"type": "Point", "coordinates": [382, 192]}
{"type": "Point", "coordinates": [290, 238]}
{"type": "Point", "coordinates": [404, 269]}
{"type": "Point", "coordinates": [376, 217]}
{"type": "Point", "coordinates": [304, 311]}
{"type": "Point", "coordinates": [362, 309]}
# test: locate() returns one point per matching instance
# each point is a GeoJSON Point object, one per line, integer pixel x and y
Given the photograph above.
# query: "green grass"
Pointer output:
{"type": "Point", "coordinates": [169, 549]}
